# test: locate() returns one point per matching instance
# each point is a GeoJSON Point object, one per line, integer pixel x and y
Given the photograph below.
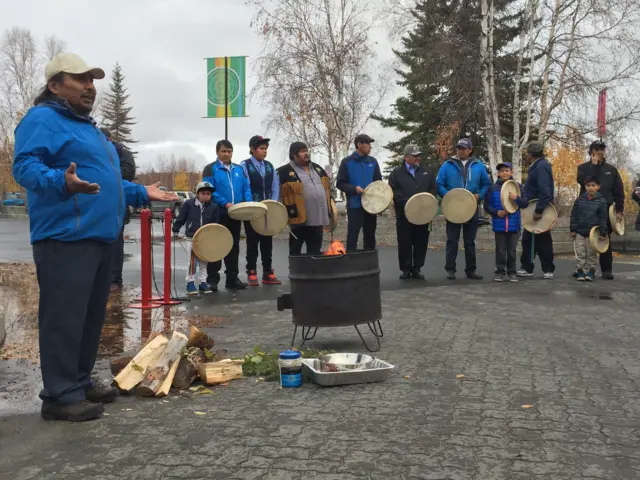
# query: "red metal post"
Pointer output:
{"type": "Point", "coordinates": [145, 262]}
{"type": "Point", "coordinates": [168, 238]}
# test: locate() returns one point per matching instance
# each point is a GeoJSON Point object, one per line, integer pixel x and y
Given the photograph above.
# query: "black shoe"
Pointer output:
{"type": "Point", "coordinates": [451, 275]}
{"type": "Point", "coordinates": [235, 284]}
{"type": "Point", "coordinates": [405, 276]}
{"type": "Point", "coordinates": [213, 287]}
{"type": "Point", "coordinates": [607, 276]}
{"type": "Point", "coordinates": [72, 412]}
{"type": "Point", "coordinates": [474, 276]}
{"type": "Point", "coordinates": [416, 275]}
{"type": "Point", "coordinates": [102, 394]}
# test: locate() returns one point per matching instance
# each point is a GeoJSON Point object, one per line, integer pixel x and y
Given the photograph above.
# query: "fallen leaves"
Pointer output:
{"type": "Point", "coordinates": [527, 406]}
{"type": "Point", "coordinates": [460, 376]}
{"type": "Point", "coordinates": [200, 413]}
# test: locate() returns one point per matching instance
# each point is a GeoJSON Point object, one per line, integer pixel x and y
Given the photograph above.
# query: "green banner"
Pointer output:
{"type": "Point", "coordinates": [236, 87]}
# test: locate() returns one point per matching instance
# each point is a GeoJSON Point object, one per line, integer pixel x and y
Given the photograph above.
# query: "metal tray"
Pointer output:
{"type": "Point", "coordinates": [379, 373]}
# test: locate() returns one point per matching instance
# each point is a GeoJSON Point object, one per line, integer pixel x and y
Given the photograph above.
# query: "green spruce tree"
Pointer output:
{"type": "Point", "coordinates": [115, 110]}
{"type": "Point", "coordinates": [440, 71]}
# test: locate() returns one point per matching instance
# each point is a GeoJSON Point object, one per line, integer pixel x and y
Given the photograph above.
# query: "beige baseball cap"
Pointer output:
{"type": "Point", "coordinates": [70, 63]}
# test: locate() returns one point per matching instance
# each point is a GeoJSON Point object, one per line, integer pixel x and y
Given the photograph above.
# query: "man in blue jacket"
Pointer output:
{"type": "Point", "coordinates": [356, 172]}
{"type": "Point", "coordinates": [77, 201]}
{"type": "Point", "coordinates": [231, 186]}
{"type": "Point", "coordinates": [539, 186]}
{"type": "Point", "coordinates": [265, 185]}
{"type": "Point", "coordinates": [463, 171]}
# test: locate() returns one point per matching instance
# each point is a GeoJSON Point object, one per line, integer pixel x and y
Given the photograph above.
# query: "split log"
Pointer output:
{"type": "Point", "coordinates": [166, 385]}
{"type": "Point", "coordinates": [152, 336]}
{"type": "Point", "coordinates": [118, 364]}
{"type": "Point", "coordinates": [188, 368]}
{"type": "Point", "coordinates": [199, 339]}
{"type": "Point", "coordinates": [133, 373]}
{"type": "Point", "coordinates": [220, 372]}
{"type": "Point", "coordinates": [158, 371]}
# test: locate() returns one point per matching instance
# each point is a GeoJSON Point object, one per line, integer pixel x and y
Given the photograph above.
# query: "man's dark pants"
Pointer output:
{"type": "Point", "coordinates": [311, 236]}
{"type": "Point", "coordinates": [506, 245]}
{"type": "Point", "coordinates": [118, 260]}
{"type": "Point", "coordinates": [413, 241]}
{"type": "Point", "coordinates": [255, 240]}
{"type": "Point", "coordinates": [469, 231]}
{"type": "Point", "coordinates": [231, 260]}
{"type": "Point", "coordinates": [606, 258]}
{"type": "Point", "coordinates": [74, 280]}
{"type": "Point", "coordinates": [358, 219]}
{"type": "Point", "coordinates": [543, 248]}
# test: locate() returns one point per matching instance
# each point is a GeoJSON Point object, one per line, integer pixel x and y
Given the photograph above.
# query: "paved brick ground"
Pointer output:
{"type": "Point", "coordinates": [572, 351]}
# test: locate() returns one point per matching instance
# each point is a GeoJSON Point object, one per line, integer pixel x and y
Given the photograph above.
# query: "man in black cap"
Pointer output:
{"type": "Point", "coordinates": [306, 192]}
{"type": "Point", "coordinates": [539, 186]}
{"type": "Point", "coordinates": [356, 172]}
{"type": "Point", "coordinates": [264, 186]}
{"type": "Point", "coordinates": [407, 180]}
{"type": "Point", "coordinates": [611, 188]}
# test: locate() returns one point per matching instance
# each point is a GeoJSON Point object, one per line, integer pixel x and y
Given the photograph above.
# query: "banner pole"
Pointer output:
{"type": "Point", "coordinates": [226, 98]}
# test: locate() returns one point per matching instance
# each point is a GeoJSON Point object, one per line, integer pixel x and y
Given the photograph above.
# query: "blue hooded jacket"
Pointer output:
{"type": "Point", "coordinates": [451, 175]}
{"type": "Point", "coordinates": [539, 184]}
{"type": "Point", "coordinates": [357, 171]}
{"type": "Point", "coordinates": [230, 185]}
{"type": "Point", "coordinates": [492, 204]}
{"type": "Point", "coordinates": [51, 136]}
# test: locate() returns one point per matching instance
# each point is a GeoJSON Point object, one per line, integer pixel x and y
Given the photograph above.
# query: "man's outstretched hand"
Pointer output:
{"type": "Point", "coordinates": [156, 195]}
{"type": "Point", "coordinates": [75, 185]}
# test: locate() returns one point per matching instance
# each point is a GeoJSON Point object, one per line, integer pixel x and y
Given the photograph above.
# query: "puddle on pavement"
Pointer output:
{"type": "Point", "coordinates": [125, 328]}
{"type": "Point", "coordinates": [586, 293]}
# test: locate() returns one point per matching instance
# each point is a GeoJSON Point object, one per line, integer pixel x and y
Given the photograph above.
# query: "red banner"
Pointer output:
{"type": "Point", "coordinates": [601, 123]}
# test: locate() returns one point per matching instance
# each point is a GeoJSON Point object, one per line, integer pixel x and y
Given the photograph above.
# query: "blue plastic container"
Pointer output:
{"type": "Point", "coordinates": [290, 362]}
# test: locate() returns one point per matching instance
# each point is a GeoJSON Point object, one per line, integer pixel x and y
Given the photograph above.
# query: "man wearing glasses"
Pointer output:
{"type": "Point", "coordinates": [406, 180]}
{"type": "Point", "coordinates": [463, 171]}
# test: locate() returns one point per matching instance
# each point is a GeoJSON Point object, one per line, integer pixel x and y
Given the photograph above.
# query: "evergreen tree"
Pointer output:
{"type": "Point", "coordinates": [115, 112]}
{"type": "Point", "coordinates": [440, 70]}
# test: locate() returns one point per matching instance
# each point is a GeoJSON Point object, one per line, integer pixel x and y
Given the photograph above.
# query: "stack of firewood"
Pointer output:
{"type": "Point", "coordinates": [177, 362]}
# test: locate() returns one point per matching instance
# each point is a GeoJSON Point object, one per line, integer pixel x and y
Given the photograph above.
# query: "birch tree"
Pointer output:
{"type": "Point", "coordinates": [318, 75]}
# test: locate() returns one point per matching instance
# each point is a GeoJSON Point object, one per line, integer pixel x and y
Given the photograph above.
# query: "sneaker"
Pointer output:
{"type": "Point", "coordinates": [590, 277]}
{"type": "Point", "coordinates": [580, 276]}
{"type": "Point", "coordinates": [191, 289]}
{"type": "Point", "coordinates": [523, 273]}
{"type": "Point", "coordinates": [269, 278]}
{"type": "Point", "coordinates": [252, 278]}
{"type": "Point", "coordinates": [234, 283]}
{"type": "Point", "coordinates": [548, 276]}
{"type": "Point", "coordinates": [416, 275]}
{"type": "Point", "coordinates": [498, 277]}
{"type": "Point", "coordinates": [102, 394]}
{"type": "Point", "coordinates": [607, 275]}
{"type": "Point", "coordinates": [474, 276]}
{"type": "Point", "coordinates": [405, 276]}
{"type": "Point", "coordinates": [72, 412]}
{"type": "Point", "coordinates": [451, 275]}
{"type": "Point", "coordinates": [513, 278]}
{"type": "Point", "coordinates": [205, 288]}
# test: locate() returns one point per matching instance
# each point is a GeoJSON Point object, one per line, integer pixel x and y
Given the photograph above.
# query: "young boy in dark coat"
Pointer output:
{"type": "Point", "coordinates": [506, 226]}
{"type": "Point", "coordinates": [589, 210]}
{"type": "Point", "coordinates": [195, 213]}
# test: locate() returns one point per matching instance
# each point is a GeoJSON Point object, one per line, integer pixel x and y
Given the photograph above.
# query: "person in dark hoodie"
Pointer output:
{"type": "Point", "coordinates": [356, 172]}
{"type": "Point", "coordinates": [539, 186]}
{"type": "Point", "coordinates": [195, 213]}
{"type": "Point", "coordinates": [611, 189]}
{"type": "Point", "coordinates": [77, 202]}
{"type": "Point", "coordinates": [506, 226]}
{"type": "Point", "coordinates": [128, 170]}
{"type": "Point", "coordinates": [463, 171]}
{"type": "Point", "coordinates": [589, 210]}
{"type": "Point", "coordinates": [636, 197]}
{"type": "Point", "coordinates": [407, 180]}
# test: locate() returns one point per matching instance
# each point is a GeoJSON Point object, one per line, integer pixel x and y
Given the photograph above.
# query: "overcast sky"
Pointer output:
{"type": "Point", "coordinates": [161, 45]}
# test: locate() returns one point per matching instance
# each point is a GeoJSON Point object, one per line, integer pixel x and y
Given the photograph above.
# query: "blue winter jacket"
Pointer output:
{"type": "Point", "coordinates": [50, 137]}
{"type": "Point", "coordinates": [492, 203]}
{"type": "Point", "coordinates": [539, 184]}
{"type": "Point", "coordinates": [230, 185]}
{"type": "Point", "coordinates": [451, 175]}
{"type": "Point", "coordinates": [194, 216]}
{"type": "Point", "coordinates": [357, 171]}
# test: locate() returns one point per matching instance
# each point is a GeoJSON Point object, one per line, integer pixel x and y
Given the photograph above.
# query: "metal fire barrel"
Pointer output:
{"type": "Point", "coordinates": [334, 290]}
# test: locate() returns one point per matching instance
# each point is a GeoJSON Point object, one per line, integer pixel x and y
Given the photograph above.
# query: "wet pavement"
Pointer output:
{"type": "Point", "coordinates": [550, 387]}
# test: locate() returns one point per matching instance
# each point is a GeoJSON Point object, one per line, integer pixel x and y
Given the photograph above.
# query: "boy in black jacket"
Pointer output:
{"type": "Point", "coordinates": [589, 210]}
{"type": "Point", "coordinates": [195, 213]}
